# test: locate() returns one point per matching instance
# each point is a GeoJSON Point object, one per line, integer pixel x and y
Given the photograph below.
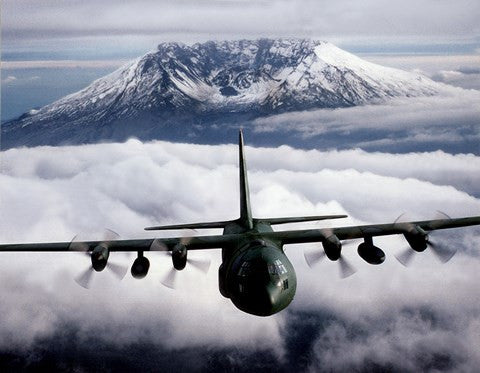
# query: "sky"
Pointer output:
{"type": "Point", "coordinates": [429, 22]}
{"type": "Point", "coordinates": [424, 317]}
{"type": "Point", "coordinates": [52, 48]}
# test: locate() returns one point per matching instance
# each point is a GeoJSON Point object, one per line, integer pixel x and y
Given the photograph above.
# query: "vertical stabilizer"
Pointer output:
{"type": "Point", "coordinates": [245, 211]}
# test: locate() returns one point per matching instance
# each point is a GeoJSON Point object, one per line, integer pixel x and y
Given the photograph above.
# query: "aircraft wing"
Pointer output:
{"type": "Point", "coordinates": [151, 244]}
{"type": "Point", "coordinates": [219, 241]}
{"type": "Point", "coordinates": [372, 230]}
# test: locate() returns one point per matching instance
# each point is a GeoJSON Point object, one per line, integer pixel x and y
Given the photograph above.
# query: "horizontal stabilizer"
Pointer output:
{"type": "Point", "coordinates": [215, 224]}
{"type": "Point", "coordinates": [299, 219]}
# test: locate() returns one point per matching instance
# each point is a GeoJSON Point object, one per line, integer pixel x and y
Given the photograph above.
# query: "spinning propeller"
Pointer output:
{"type": "Point", "coordinates": [179, 260]}
{"type": "Point", "coordinates": [419, 241]}
{"type": "Point", "coordinates": [170, 279]}
{"type": "Point", "coordinates": [332, 248]}
{"type": "Point", "coordinates": [315, 256]}
{"type": "Point", "coordinates": [99, 259]}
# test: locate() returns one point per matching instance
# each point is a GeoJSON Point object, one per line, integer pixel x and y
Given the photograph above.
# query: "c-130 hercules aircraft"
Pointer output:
{"type": "Point", "coordinates": [255, 272]}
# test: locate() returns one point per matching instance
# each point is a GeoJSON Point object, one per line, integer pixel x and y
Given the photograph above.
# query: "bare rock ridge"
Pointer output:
{"type": "Point", "coordinates": [181, 91]}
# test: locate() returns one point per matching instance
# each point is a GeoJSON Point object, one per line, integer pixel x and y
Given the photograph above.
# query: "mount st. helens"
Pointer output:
{"type": "Point", "coordinates": [178, 92]}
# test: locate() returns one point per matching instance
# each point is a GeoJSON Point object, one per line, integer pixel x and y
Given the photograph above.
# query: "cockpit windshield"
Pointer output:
{"type": "Point", "coordinates": [276, 268]}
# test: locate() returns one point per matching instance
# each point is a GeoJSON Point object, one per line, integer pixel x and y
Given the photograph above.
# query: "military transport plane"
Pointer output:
{"type": "Point", "coordinates": [255, 272]}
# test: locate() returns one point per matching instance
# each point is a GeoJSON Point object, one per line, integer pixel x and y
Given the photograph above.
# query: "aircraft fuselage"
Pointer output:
{"type": "Point", "coordinates": [256, 274]}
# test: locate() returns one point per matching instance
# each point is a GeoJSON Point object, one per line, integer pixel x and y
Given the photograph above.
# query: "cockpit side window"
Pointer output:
{"type": "Point", "coordinates": [244, 270]}
{"type": "Point", "coordinates": [277, 268]}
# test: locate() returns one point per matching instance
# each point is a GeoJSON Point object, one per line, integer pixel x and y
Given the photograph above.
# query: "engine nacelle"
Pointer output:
{"type": "Point", "coordinates": [371, 254]}
{"type": "Point", "coordinates": [332, 247]}
{"type": "Point", "coordinates": [99, 258]}
{"type": "Point", "coordinates": [417, 239]}
{"type": "Point", "coordinates": [140, 267]}
{"type": "Point", "coordinates": [179, 256]}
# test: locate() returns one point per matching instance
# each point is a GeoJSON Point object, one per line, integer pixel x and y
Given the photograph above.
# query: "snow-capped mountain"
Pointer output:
{"type": "Point", "coordinates": [180, 89]}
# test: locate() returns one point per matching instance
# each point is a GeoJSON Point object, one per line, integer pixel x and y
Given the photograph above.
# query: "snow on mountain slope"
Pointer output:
{"type": "Point", "coordinates": [210, 82]}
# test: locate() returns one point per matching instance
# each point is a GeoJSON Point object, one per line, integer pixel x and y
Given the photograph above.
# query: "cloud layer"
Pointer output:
{"type": "Point", "coordinates": [387, 316]}
{"type": "Point", "coordinates": [460, 70]}
{"type": "Point", "coordinates": [466, 77]}
{"type": "Point", "coordinates": [449, 121]}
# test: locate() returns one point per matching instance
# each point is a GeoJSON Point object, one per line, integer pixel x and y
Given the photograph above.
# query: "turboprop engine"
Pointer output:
{"type": "Point", "coordinates": [99, 258]}
{"type": "Point", "coordinates": [417, 238]}
{"type": "Point", "coordinates": [179, 256]}
{"type": "Point", "coordinates": [332, 247]}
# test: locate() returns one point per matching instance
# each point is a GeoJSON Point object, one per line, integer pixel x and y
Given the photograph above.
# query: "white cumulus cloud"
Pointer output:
{"type": "Point", "coordinates": [52, 194]}
{"type": "Point", "coordinates": [444, 120]}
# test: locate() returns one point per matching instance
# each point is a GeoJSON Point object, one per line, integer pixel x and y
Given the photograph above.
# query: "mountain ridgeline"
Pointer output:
{"type": "Point", "coordinates": [198, 92]}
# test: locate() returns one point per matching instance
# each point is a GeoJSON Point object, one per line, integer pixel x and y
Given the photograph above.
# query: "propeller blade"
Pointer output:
{"type": "Point", "coordinates": [408, 226]}
{"type": "Point", "coordinates": [440, 214]}
{"type": "Point", "coordinates": [185, 240]}
{"type": "Point", "coordinates": [109, 235]}
{"type": "Point", "coordinates": [200, 264]}
{"type": "Point", "coordinates": [406, 256]}
{"type": "Point", "coordinates": [85, 278]}
{"type": "Point", "coordinates": [118, 270]}
{"type": "Point", "coordinates": [77, 245]}
{"type": "Point", "coordinates": [313, 257]}
{"type": "Point", "coordinates": [327, 231]}
{"type": "Point", "coordinates": [157, 245]}
{"type": "Point", "coordinates": [346, 269]}
{"type": "Point", "coordinates": [169, 280]}
{"type": "Point", "coordinates": [398, 218]}
{"type": "Point", "coordinates": [441, 252]}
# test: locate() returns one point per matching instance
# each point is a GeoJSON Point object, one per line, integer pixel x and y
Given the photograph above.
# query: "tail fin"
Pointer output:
{"type": "Point", "coordinates": [245, 211]}
{"type": "Point", "coordinates": [245, 219]}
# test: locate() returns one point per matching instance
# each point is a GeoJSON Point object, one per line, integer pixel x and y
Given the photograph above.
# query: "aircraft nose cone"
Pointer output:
{"type": "Point", "coordinates": [268, 300]}
{"type": "Point", "coordinates": [261, 300]}
{"type": "Point", "coordinates": [265, 302]}
{"type": "Point", "coordinates": [272, 295]}
{"type": "Point", "coordinates": [265, 282]}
